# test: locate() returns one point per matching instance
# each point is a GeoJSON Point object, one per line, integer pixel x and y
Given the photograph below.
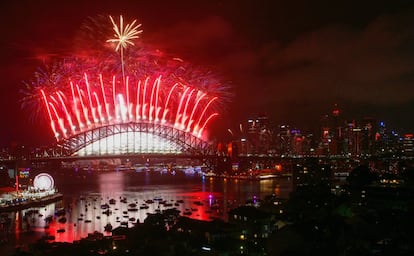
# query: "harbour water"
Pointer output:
{"type": "Point", "coordinates": [91, 201]}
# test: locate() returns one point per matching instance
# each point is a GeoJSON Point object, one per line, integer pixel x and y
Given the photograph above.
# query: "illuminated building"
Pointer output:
{"type": "Point", "coordinates": [348, 137]}
{"type": "Point", "coordinates": [381, 139]}
{"type": "Point", "coordinates": [368, 131]}
{"type": "Point", "coordinates": [387, 143]}
{"type": "Point", "coordinates": [332, 137]}
{"type": "Point", "coordinates": [408, 145]}
{"type": "Point", "coordinates": [259, 134]}
{"type": "Point", "coordinates": [256, 226]}
{"type": "Point", "coordinates": [298, 144]}
{"type": "Point", "coordinates": [253, 138]}
{"type": "Point", "coordinates": [284, 140]}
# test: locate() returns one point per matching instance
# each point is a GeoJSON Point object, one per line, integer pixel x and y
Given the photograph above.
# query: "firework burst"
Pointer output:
{"type": "Point", "coordinates": [93, 103]}
{"type": "Point", "coordinates": [84, 91]}
{"type": "Point", "coordinates": [124, 36]}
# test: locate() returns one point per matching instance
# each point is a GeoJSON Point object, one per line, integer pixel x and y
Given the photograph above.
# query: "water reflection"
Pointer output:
{"type": "Point", "coordinates": [122, 198]}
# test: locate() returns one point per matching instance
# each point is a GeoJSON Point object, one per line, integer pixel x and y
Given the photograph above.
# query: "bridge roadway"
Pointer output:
{"type": "Point", "coordinates": [57, 160]}
{"type": "Point", "coordinates": [213, 161]}
{"type": "Point", "coordinates": [161, 156]}
{"type": "Point", "coordinates": [11, 161]}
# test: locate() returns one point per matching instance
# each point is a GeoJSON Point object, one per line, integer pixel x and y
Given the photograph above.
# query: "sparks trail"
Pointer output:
{"type": "Point", "coordinates": [123, 37]}
{"type": "Point", "coordinates": [87, 107]}
{"type": "Point", "coordinates": [89, 90]}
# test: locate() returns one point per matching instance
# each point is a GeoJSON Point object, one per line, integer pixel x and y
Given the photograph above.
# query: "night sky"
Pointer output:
{"type": "Point", "coordinates": [290, 60]}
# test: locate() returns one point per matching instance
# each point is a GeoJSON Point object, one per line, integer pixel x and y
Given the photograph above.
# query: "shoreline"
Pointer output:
{"type": "Point", "coordinates": [31, 202]}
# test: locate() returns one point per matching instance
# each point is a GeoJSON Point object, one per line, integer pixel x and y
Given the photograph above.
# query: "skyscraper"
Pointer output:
{"type": "Point", "coordinates": [332, 137]}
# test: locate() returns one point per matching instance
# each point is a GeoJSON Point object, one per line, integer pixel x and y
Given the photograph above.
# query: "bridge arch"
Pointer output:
{"type": "Point", "coordinates": [135, 138]}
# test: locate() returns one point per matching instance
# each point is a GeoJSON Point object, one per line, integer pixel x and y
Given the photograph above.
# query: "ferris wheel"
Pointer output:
{"type": "Point", "coordinates": [43, 181]}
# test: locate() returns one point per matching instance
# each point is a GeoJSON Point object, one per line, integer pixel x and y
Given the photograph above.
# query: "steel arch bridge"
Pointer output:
{"type": "Point", "coordinates": [135, 138]}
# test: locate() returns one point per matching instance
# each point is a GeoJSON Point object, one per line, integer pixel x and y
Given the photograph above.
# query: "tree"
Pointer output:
{"type": "Point", "coordinates": [361, 176]}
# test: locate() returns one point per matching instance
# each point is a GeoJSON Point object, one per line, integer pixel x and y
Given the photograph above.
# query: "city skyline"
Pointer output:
{"type": "Point", "coordinates": [299, 60]}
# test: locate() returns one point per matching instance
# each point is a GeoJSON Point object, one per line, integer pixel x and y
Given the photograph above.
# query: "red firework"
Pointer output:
{"type": "Point", "coordinates": [88, 90]}
{"type": "Point", "coordinates": [93, 104]}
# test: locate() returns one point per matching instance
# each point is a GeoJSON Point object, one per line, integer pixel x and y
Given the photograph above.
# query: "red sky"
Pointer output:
{"type": "Point", "coordinates": [289, 59]}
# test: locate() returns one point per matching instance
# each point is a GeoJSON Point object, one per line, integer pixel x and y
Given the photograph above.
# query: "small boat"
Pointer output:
{"type": "Point", "coordinates": [60, 212]}
{"type": "Point", "coordinates": [61, 230]}
{"type": "Point", "coordinates": [112, 201]}
{"type": "Point", "coordinates": [49, 218]}
{"type": "Point", "coordinates": [108, 227]}
{"type": "Point", "coordinates": [104, 206]}
{"type": "Point", "coordinates": [107, 212]}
